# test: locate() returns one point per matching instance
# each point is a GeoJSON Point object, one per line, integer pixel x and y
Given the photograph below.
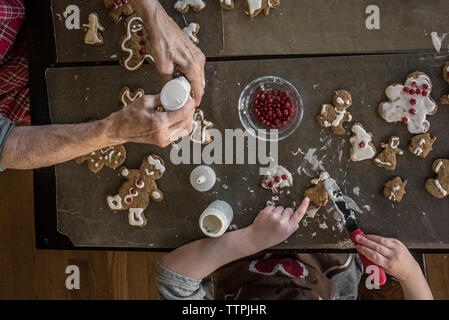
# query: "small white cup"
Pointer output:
{"type": "Point", "coordinates": [175, 93]}
{"type": "Point", "coordinates": [215, 220]}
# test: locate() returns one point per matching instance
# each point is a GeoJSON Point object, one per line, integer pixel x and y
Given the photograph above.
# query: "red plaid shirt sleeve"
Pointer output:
{"type": "Point", "coordinates": [14, 87]}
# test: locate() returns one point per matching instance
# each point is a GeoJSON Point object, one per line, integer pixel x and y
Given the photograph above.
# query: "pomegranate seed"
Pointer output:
{"type": "Point", "coordinates": [424, 93]}
{"type": "Point", "coordinates": [270, 184]}
{"type": "Point", "coordinates": [284, 177]}
{"type": "Point", "coordinates": [413, 83]}
{"type": "Point", "coordinates": [277, 179]}
{"type": "Point", "coordinates": [412, 111]}
{"type": "Point", "coordinates": [142, 51]}
{"type": "Point", "coordinates": [362, 144]}
{"type": "Point", "coordinates": [140, 33]}
{"type": "Point", "coordinates": [413, 102]}
{"type": "Point", "coordinates": [406, 89]}
{"type": "Point", "coordinates": [133, 191]}
{"type": "Point", "coordinates": [425, 86]}
{"type": "Point", "coordinates": [418, 91]}
{"type": "Point", "coordinates": [129, 200]}
{"type": "Point", "coordinates": [411, 91]}
{"type": "Point", "coordinates": [405, 120]}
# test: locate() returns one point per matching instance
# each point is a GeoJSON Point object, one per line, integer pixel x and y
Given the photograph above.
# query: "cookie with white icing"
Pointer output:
{"type": "Point", "coordinates": [135, 44]}
{"type": "Point", "coordinates": [335, 115]}
{"type": "Point", "coordinates": [439, 187]}
{"type": "Point", "coordinates": [136, 193]}
{"type": "Point", "coordinates": [410, 103]}
{"type": "Point", "coordinates": [255, 7]}
{"type": "Point", "coordinates": [445, 98]}
{"type": "Point", "coordinates": [118, 9]}
{"type": "Point", "coordinates": [183, 6]}
{"type": "Point", "coordinates": [317, 194]}
{"type": "Point", "coordinates": [191, 31]}
{"type": "Point", "coordinates": [200, 133]}
{"type": "Point", "coordinates": [394, 189]}
{"type": "Point", "coordinates": [126, 96]}
{"type": "Point", "coordinates": [387, 158]}
{"type": "Point", "coordinates": [112, 157]}
{"type": "Point", "coordinates": [277, 178]}
{"type": "Point", "coordinates": [421, 144]}
{"type": "Point", "coordinates": [93, 30]}
{"type": "Point", "coordinates": [362, 147]}
{"type": "Point", "coordinates": [227, 4]}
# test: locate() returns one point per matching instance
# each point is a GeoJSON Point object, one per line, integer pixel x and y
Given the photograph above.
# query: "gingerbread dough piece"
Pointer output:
{"type": "Point", "coordinates": [277, 177]}
{"type": "Point", "coordinates": [394, 189]}
{"type": "Point", "coordinates": [111, 157]}
{"type": "Point", "coordinates": [227, 4]}
{"type": "Point", "coordinates": [387, 158]}
{"type": "Point", "coordinates": [362, 147]}
{"type": "Point", "coordinates": [421, 144]}
{"type": "Point", "coordinates": [127, 97]}
{"type": "Point", "coordinates": [410, 103]}
{"type": "Point", "coordinates": [135, 44]}
{"type": "Point", "coordinates": [135, 194]}
{"type": "Point", "coordinates": [318, 194]}
{"type": "Point", "coordinates": [93, 35]}
{"type": "Point", "coordinates": [257, 6]}
{"type": "Point", "coordinates": [439, 187]}
{"type": "Point", "coordinates": [335, 115]}
{"type": "Point", "coordinates": [118, 9]}
{"type": "Point", "coordinates": [445, 98]}
{"type": "Point", "coordinates": [200, 132]}
{"type": "Point", "coordinates": [183, 6]}
{"type": "Point", "coordinates": [191, 31]}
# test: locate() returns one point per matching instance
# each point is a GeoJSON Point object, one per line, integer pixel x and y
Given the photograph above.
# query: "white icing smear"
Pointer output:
{"type": "Point", "coordinates": [156, 163]}
{"type": "Point", "coordinates": [279, 173]}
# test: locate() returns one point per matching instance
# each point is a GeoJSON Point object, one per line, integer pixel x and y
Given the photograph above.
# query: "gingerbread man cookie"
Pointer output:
{"type": "Point", "coordinates": [387, 158]}
{"type": "Point", "coordinates": [421, 144]}
{"type": "Point", "coordinates": [191, 31]}
{"type": "Point", "coordinates": [335, 115]}
{"type": "Point", "coordinates": [277, 177]}
{"type": "Point", "coordinates": [227, 4]}
{"type": "Point", "coordinates": [112, 157]}
{"type": "Point", "coordinates": [135, 44]}
{"type": "Point", "coordinates": [93, 35]}
{"type": "Point", "coordinates": [127, 97]}
{"type": "Point", "coordinates": [257, 6]}
{"type": "Point", "coordinates": [394, 189]}
{"type": "Point", "coordinates": [445, 98]}
{"type": "Point", "coordinates": [135, 194]}
{"type": "Point", "coordinates": [361, 146]}
{"type": "Point", "coordinates": [200, 132]}
{"type": "Point", "coordinates": [118, 9]}
{"type": "Point", "coordinates": [183, 6]}
{"type": "Point", "coordinates": [439, 187]}
{"type": "Point", "coordinates": [317, 194]}
{"type": "Point", "coordinates": [410, 103]}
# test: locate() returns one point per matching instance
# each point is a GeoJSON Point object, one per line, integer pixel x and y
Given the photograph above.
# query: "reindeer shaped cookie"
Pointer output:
{"type": "Point", "coordinates": [387, 158]}
{"type": "Point", "coordinates": [135, 194]}
{"type": "Point", "coordinates": [334, 115]}
{"type": "Point", "coordinates": [439, 187]}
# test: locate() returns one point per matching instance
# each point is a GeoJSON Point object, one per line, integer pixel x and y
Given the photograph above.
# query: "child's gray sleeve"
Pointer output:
{"type": "Point", "coordinates": [175, 286]}
{"type": "Point", "coordinates": [6, 127]}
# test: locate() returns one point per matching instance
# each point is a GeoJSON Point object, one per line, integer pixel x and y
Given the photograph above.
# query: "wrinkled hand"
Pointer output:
{"type": "Point", "coordinates": [170, 47]}
{"type": "Point", "coordinates": [275, 224]}
{"type": "Point", "coordinates": [141, 122]}
{"type": "Point", "coordinates": [390, 254]}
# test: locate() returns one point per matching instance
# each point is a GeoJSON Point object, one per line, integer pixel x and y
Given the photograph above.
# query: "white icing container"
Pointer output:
{"type": "Point", "coordinates": [203, 178]}
{"type": "Point", "coordinates": [215, 220]}
{"type": "Point", "coordinates": [175, 93]}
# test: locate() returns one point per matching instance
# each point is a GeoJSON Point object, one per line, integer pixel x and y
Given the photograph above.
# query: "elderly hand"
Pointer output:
{"type": "Point", "coordinates": [141, 122]}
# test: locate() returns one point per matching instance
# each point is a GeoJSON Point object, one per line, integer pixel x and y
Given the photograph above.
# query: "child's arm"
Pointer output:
{"type": "Point", "coordinates": [394, 257]}
{"type": "Point", "coordinates": [200, 258]}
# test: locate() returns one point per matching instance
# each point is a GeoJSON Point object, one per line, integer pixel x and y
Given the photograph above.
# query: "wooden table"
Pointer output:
{"type": "Point", "coordinates": [79, 90]}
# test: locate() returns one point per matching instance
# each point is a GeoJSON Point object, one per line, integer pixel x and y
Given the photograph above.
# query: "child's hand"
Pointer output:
{"type": "Point", "coordinates": [275, 224]}
{"type": "Point", "coordinates": [390, 254]}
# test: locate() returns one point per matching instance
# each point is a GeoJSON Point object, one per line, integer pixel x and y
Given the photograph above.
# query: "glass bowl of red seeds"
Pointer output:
{"type": "Point", "coordinates": [273, 104]}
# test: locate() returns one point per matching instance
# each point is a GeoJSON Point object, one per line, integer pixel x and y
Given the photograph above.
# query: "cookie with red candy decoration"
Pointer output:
{"type": "Point", "coordinates": [273, 108]}
{"type": "Point", "coordinates": [410, 103]}
{"type": "Point", "coordinates": [118, 9]}
{"type": "Point", "coordinates": [277, 177]}
{"type": "Point", "coordinates": [135, 194]}
{"type": "Point", "coordinates": [362, 147]}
